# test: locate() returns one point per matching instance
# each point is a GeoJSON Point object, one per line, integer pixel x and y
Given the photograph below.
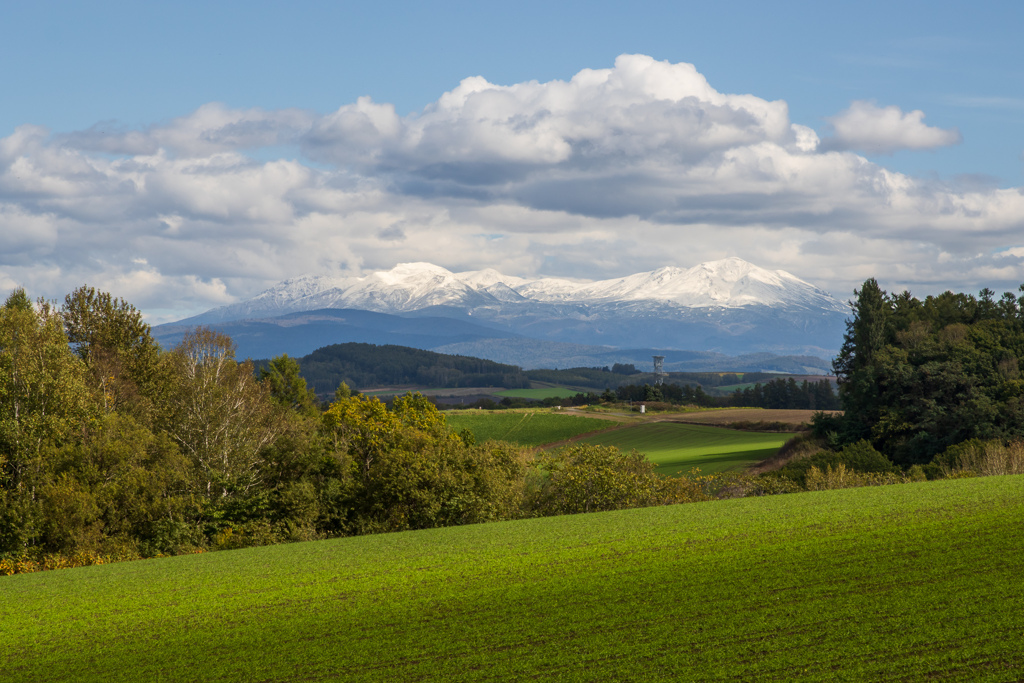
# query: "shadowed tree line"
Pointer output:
{"type": "Point", "coordinates": [781, 393]}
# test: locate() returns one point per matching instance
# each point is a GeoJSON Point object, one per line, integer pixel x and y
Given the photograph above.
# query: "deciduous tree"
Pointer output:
{"type": "Point", "coordinates": [218, 413]}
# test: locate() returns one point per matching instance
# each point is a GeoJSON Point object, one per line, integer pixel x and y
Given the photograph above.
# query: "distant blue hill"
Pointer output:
{"type": "Point", "coordinates": [299, 334]}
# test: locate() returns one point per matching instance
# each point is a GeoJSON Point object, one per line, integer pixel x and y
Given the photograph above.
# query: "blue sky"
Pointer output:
{"type": "Point", "coordinates": [134, 85]}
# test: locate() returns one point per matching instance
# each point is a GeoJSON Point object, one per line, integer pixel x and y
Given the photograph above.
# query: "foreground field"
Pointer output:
{"type": "Point", "coordinates": [911, 582]}
{"type": "Point", "coordinates": [527, 428]}
{"type": "Point", "coordinates": [676, 448]}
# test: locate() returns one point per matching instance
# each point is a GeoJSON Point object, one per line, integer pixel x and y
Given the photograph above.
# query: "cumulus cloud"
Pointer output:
{"type": "Point", "coordinates": [638, 109]}
{"type": "Point", "coordinates": [211, 129]}
{"type": "Point", "coordinates": [613, 171]}
{"type": "Point", "coordinates": [866, 127]}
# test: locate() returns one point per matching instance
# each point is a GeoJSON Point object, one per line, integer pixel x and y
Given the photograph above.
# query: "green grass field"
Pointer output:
{"type": "Point", "coordinates": [530, 428]}
{"type": "Point", "coordinates": [538, 394]}
{"type": "Point", "coordinates": [678, 447]}
{"type": "Point", "coordinates": [912, 582]}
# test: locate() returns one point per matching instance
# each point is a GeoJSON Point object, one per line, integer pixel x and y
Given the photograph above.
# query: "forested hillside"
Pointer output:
{"type": "Point", "coordinates": [369, 365]}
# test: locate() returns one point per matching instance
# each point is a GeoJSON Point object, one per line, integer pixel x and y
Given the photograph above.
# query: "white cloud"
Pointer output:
{"type": "Point", "coordinates": [883, 130]}
{"type": "Point", "coordinates": [610, 172]}
{"type": "Point", "coordinates": [638, 109]}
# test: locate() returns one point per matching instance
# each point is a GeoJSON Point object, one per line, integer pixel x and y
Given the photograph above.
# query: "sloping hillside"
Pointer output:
{"type": "Point", "coordinates": [911, 582]}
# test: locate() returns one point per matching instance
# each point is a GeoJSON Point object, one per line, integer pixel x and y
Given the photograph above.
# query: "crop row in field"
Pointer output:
{"type": "Point", "coordinates": [676, 448]}
{"type": "Point", "coordinates": [911, 582]}
{"type": "Point", "coordinates": [527, 428]}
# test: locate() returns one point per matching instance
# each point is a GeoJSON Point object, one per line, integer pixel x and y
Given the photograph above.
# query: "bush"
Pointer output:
{"type": "Point", "coordinates": [589, 478]}
{"type": "Point", "coordinates": [827, 426]}
{"type": "Point", "coordinates": [801, 446]}
{"type": "Point", "coordinates": [857, 457]}
{"type": "Point", "coordinates": [841, 477]}
{"type": "Point", "coordinates": [768, 485]}
{"type": "Point", "coordinates": [981, 458]}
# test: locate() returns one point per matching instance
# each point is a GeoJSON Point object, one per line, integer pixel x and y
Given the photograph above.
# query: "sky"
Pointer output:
{"type": "Point", "coordinates": [188, 155]}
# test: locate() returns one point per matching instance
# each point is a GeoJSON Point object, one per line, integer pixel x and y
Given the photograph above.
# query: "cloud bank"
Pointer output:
{"type": "Point", "coordinates": [614, 171]}
{"type": "Point", "coordinates": [884, 130]}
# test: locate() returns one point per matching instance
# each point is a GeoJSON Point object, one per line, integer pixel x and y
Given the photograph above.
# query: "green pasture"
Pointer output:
{"type": "Point", "coordinates": [539, 394]}
{"type": "Point", "coordinates": [899, 583]}
{"type": "Point", "coordinates": [527, 428]}
{"type": "Point", "coordinates": [677, 447]}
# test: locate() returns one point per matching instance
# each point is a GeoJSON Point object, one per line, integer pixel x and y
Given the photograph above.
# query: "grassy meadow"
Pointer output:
{"type": "Point", "coordinates": [527, 428]}
{"type": "Point", "coordinates": [910, 582]}
{"type": "Point", "coordinates": [676, 448]}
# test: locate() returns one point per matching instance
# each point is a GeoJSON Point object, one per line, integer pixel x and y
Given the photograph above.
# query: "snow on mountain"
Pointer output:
{"type": "Point", "coordinates": [482, 279]}
{"type": "Point", "coordinates": [728, 306]}
{"type": "Point", "coordinates": [729, 283]}
{"type": "Point", "coordinates": [502, 292]}
{"type": "Point", "coordinates": [406, 287]}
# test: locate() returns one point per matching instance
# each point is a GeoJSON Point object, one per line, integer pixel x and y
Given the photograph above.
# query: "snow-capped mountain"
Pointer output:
{"type": "Point", "coordinates": [408, 287]}
{"type": "Point", "coordinates": [729, 283]}
{"type": "Point", "coordinates": [727, 306]}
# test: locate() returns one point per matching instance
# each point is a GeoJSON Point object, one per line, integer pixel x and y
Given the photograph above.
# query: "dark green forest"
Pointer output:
{"type": "Point", "coordinates": [370, 365]}
{"type": "Point", "coordinates": [916, 377]}
{"type": "Point", "coordinates": [779, 393]}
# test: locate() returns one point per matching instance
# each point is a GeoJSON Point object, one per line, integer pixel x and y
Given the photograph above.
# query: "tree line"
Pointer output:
{"type": "Point", "coordinates": [619, 374]}
{"type": "Point", "coordinates": [111, 447]}
{"type": "Point", "coordinates": [917, 377]}
{"type": "Point", "coordinates": [780, 393]}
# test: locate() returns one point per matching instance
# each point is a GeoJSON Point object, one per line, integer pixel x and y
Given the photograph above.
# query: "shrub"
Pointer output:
{"type": "Point", "coordinates": [842, 477]}
{"type": "Point", "coordinates": [857, 457]}
{"type": "Point", "coordinates": [801, 446]}
{"type": "Point", "coordinates": [981, 458]}
{"type": "Point", "coordinates": [589, 478]}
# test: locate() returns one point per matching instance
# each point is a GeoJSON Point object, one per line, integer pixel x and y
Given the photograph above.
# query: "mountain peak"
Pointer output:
{"type": "Point", "coordinates": [405, 272]}
{"type": "Point", "coordinates": [725, 283]}
{"type": "Point", "coordinates": [723, 304]}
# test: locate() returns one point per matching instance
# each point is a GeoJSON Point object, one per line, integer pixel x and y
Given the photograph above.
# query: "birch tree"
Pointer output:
{"type": "Point", "coordinates": [217, 412]}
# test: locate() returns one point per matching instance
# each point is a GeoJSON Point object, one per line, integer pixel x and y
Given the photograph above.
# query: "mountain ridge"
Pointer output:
{"type": "Point", "coordinates": [727, 283]}
{"type": "Point", "coordinates": [729, 307]}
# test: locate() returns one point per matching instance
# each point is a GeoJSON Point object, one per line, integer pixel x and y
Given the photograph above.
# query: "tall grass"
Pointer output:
{"type": "Point", "coordinates": [986, 458]}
